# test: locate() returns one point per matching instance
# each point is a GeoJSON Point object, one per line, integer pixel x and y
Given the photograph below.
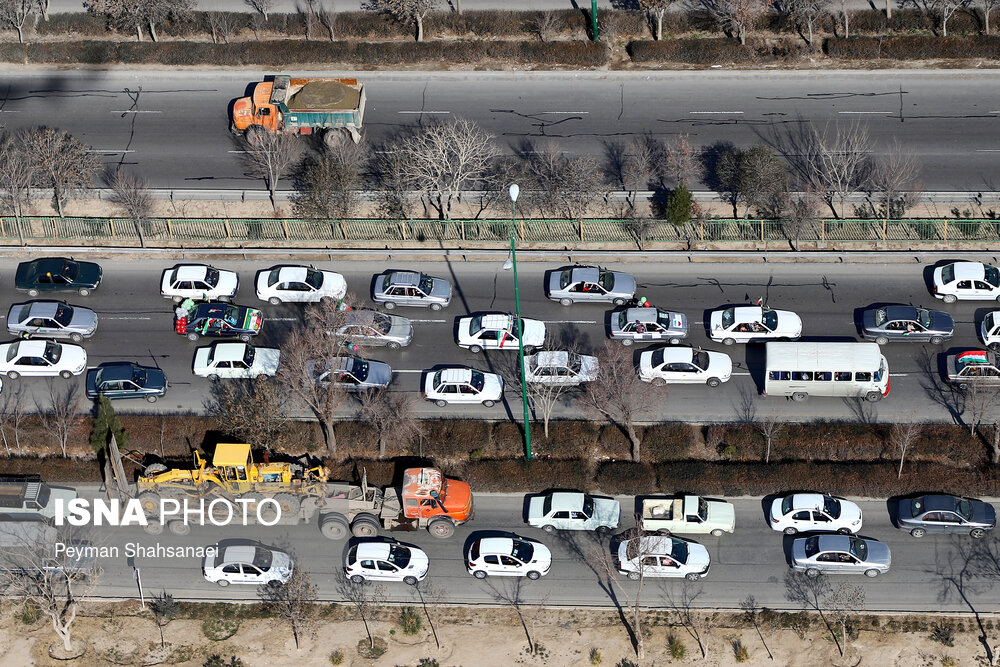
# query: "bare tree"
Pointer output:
{"type": "Point", "coordinates": [555, 184]}
{"type": "Point", "coordinates": [684, 610]}
{"type": "Point", "coordinates": [546, 24]}
{"type": "Point", "coordinates": [980, 403]}
{"type": "Point", "coordinates": [443, 158]}
{"type": "Point", "coordinates": [736, 17]}
{"type": "Point", "coordinates": [655, 11]}
{"type": "Point", "coordinates": [392, 418]}
{"type": "Point", "coordinates": [804, 14]}
{"type": "Point", "coordinates": [328, 183]}
{"type": "Point", "coordinates": [943, 10]}
{"type": "Point", "coordinates": [988, 7]}
{"type": "Point", "coordinates": [800, 211]}
{"type": "Point", "coordinates": [221, 25]}
{"type": "Point", "coordinates": [17, 175]}
{"type": "Point", "coordinates": [327, 16]}
{"type": "Point", "coordinates": [844, 602]}
{"type": "Point", "coordinates": [812, 592]}
{"type": "Point", "coordinates": [130, 191]}
{"type": "Point", "coordinates": [839, 161]}
{"type": "Point", "coordinates": [637, 168]}
{"type": "Point", "coordinates": [903, 437]}
{"type": "Point", "coordinates": [164, 608]}
{"type": "Point", "coordinates": [681, 160]}
{"type": "Point", "coordinates": [892, 181]}
{"type": "Point", "coordinates": [65, 163]}
{"type": "Point", "coordinates": [15, 13]}
{"type": "Point", "coordinates": [136, 14]}
{"type": "Point", "coordinates": [12, 410]}
{"type": "Point", "coordinates": [308, 10]}
{"type": "Point", "coordinates": [366, 598]}
{"type": "Point", "coordinates": [260, 6]}
{"type": "Point", "coordinates": [509, 592]}
{"type": "Point", "coordinates": [619, 395]}
{"type": "Point", "coordinates": [294, 601]}
{"type": "Point", "coordinates": [770, 427]}
{"type": "Point", "coordinates": [251, 410]}
{"type": "Point", "coordinates": [412, 12]}
{"type": "Point", "coordinates": [55, 581]}
{"type": "Point", "coordinates": [270, 156]}
{"type": "Point", "coordinates": [751, 611]}
{"type": "Point", "coordinates": [43, 7]}
{"type": "Point", "coordinates": [763, 180]}
{"type": "Point", "coordinates": [59, 414]}
{"type": "Point", "coordinates": [626, 598]}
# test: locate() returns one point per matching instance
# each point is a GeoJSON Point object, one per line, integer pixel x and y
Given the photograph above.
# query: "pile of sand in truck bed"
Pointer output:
{"type": "Point", "coordinates": [325, 95]}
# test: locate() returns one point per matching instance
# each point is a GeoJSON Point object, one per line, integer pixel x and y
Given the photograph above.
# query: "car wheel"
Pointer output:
{"type": "Point", "coordinates": [151, 398]}
{"type": "Point", "coordinates": [65, 375]}
{"type": "Point", "coordinates": [718, 532]}
{"type": "Point", "coordinates": [245, 338]}
{"type": "Point", "coordinates": [223, 299]}
{"type": "Point", "coordinates": [675, 341]}
{"type": "Point", "coordinates": [713, 382]}
{"type": "Point", "coordinates": [274, 301]}
{"type": "Point", "coordinates": [435, 307]}
{"type": "Point", "coordinates": [918, 532]}
{"type": "Point", "coordinates": [845, 531]}
{"type": "Point", "coordinates": [728, 341]}
{"type": "Point", "coordinates": [799, 396]}
{"type": "Point", "coordinates": [475, 349]}
{"type": "Point", "coordinates": [479, 574]}
{"type": "Point", "coordinates": [692, 576]}
{"type": "Point", "coordinates": [193, 336]}
{"type": "Point", "coordinates": [882, 340]}
{"type": "Point", "coordinates": [410, 581]}
{"type": "Point", "coordinates": [13, 375]}
{"type": "Point", "coordinates": [634, 576]}
{"type": "Point", "coordinates": [549, 528]}
{"type": "Point", "coordinates": [977, 533]}
{"type": "Point", "coordinates": [873, 397]}
{"type": "Point", "coordinates": [222, 583]}
{"type": "Point", "coordinates": [872, 573]}
{"type": "Point", "coordinates": [76, 338]}
{"type": "Point", "coordinates": [32, 292]}
{"type": "Point", "coordinates": [533, 575]}
{"type": "Point", "coordinates": [177, 299]}
{"type": "Point", "coordinates": [812, 573]}
{"type": "Point", "coordinates": [619, 301]}
{"type": "Point", "coordinates": [663, 532]}
{"type": "Point", "coordinates": [529, 350]}
{"type": "Point", "coordinates": [603, 530]}
{"type": "Point", "coordinates": [950, 298]}
{"type": "Point", "coordinates": [213, 377]}
{"type": "Point", "coordinates": [936, 340]}
{"type": "Point", "coordinates": [84, 291]}
{"type": "Point", "coordinates": [566, 302]}
{"type": "Point", "coordinates": [389, 305]}
{"type": "Point", "coordinates": [489, 404]}
{"type": "Point", "coordinates": [658, 382]}
{"type": "Point", "coordinates": [626, 342]}
{"type": "Point", "coordinates": [441, 403]}
{"type": "Point", "coordinates": [393, 345]}
{"type": "Point", "coordinates": [179, 528]}
{"type": "Point", "coordinates": [791, 531]}
{"type": "Point", "coordinates": [357, 579]}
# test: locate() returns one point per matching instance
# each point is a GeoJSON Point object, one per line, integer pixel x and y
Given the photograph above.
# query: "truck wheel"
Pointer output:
{"type": "Point", "coordinates": [178, 528]}
{"type": "Point", "coordinates": [153, 527]}
{"type": "Point", "coordinates": [441, 528]}
{"type": "Point", "coordinates": [334, 137]}
{"type": "Point", "coordinates": [603, 530]}
{"type": "Point", "coordinates": [153, 469]}
{"type": "Point", "coordinates": [663, 532]}
{"type": "Point", "coordinates": [718, 532]}
{"type": "Point", "coordinates": [873, 397]}
{"type": "Point", "coordinates": [533, 575]}
{"type": "Point", "coordinates": [149, 501]}
{"type": "Point", "coordinates": [13, 375]}
{"type": "Point", "coordinates": [799, 396]}
{"type": "Point", "coordinates": [333, 526]}
{"type": "Point", "coordinates": [364, 525]}
{"type": "Point", "coordinates": [289, 503]}
{"type": "Point", "coordinates": [634, 576]}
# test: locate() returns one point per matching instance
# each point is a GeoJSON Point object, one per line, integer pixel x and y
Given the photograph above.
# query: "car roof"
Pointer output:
{"type": "Point", "coordinates": [360, 316]}
{"type": "Point", "coordinates": [117, 371]}
{"type": "Point", "coordinates": [677, 354]}
{"type": "Point", "coordinates": [456, 375]}
{"type": "Point", "coordinates": [213, 308]}
{"type": "Point", "coordinates": [834, 542]}
{"type": "Point", "coordinates": [241, 553]}
{"type": "Point", "coordinates": [496, 321]}
{"type": "Point", "coordinates": [32, 348]}
{"type": "Point", "coordinates": [191, 272]}
{"type": "Point", "coordinates": [747, 313]}
{"type": "Point", "coordinates": [969, 270]}
{"type": "Point", "coordinates": [641, 314]}
{"type": "Point", "coordinates": [411, 278]}
{"type": "Point", "coordinates": [43, 308]}
{"type": "Point", "coordinates": [229, 351]}
{"type": "Point", "coordinates": [295, 274]}
{"type": "Point", "coordinates": [373, 550]}
{"type": "Point", "coordinates": [900, 312]}
{"type": "Point", "coordinates": [803, 501]}
{"type": "Point", "coordinates": [496, 545]}
{"type": "Point", "coordinates": [654, 545]}
{"type": "Point", "coordinates": [51, 263]}
{"type": "Point", "coordinates": [938, 502]}
{"type": "Point", "coordinates": [587, 274]}
{"type": "Point", "coordinates": [552, 358]}
{"type": "Point", "coordinates": [567, 500]}
{"type": "Point", "coordinates": [345, 363]}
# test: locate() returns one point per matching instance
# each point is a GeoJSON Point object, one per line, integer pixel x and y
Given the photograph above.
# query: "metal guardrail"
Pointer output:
{"type": "Point", "coordinates": [268, 232]}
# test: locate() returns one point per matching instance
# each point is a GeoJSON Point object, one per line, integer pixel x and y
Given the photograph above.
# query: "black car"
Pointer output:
{"type": "Point", "coordinates": [946, 514]}
{"type": "Point", "coordinates": [124, 379]}
{"type": "Point", "coordinates": [218, 320]}
{"type": "Point", "coordinates": [906, 324]}
{"type": "Point", "coordinates": [57, 274]}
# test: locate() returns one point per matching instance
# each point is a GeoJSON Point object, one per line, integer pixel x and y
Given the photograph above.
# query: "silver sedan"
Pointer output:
{"type": "Point", "coordinates": [590, 284]}
{"type": "Point", "coordinates": [51, 319]}
{"type": "Point", "coordinates": [648, 325]}
{"type": "Point", "coordinates": [371, 328]}
{"type": "Point", "coordinates": [840, 554]}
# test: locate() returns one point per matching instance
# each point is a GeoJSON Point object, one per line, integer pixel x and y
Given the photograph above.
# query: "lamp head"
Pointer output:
{"type": "Point", "coordinates": [514, 191]}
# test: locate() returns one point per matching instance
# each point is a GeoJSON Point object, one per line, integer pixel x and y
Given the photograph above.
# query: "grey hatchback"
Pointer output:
{"type": "Point", "coordinates": [907, 324]}
{"type": "Point", "coordinates": [946, 514]}
{"type": "Point", "coordinates": [409, 288]}
{"type": "Point", "coordinates": [51, 319]}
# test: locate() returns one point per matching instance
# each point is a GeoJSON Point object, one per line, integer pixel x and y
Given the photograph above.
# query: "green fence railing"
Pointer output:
{"type": "Point", "coordinates": [118, 231]}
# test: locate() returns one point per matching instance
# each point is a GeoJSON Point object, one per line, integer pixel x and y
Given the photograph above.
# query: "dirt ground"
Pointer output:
{"type": "Point", "coordinates": [488, 638]}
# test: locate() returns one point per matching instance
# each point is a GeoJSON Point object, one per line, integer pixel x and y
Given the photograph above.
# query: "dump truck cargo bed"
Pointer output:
{"type": "Point", "coordinates": [323, 95]}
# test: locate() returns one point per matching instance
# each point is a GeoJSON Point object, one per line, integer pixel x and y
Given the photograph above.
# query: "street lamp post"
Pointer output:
{"type": "Point", "coordinates": [514, 191]}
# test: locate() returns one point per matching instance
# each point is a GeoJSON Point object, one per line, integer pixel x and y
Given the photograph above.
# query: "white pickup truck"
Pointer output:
{"type": "Point", "coordinates": [28, 497]}
{"type": "Point", "coordinates": [687, 514]}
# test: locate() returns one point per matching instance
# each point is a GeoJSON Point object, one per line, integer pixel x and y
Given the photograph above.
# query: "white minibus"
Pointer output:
{"type": "Point", "coordinates": [801, 370]}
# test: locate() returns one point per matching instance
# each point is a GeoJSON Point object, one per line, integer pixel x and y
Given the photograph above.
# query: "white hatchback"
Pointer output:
{"type": "Point", "coordinates": [684, 365]}
{"type": "Point", "coordinates": [247, 564]}
{"type": "Point", "coordinates": [42, 358]}
{"type": "Point", "coordinates": [801, 512]}
{"type": "Point", "coordinates": [508, 557]}
{"type": "Point", "coordinates": [745, 324]}
{"type": "Point", "coordinates": [235, 361]}
{"type": "Point", "coordinates": [989, 330]}
{"type": "Point", "coordinates": [299, 284]}
{"type": "Point", "coordinates": [462, 385]}
{"type": "Point", "coordinates": [966, 281]}
{"type": "Point", "coordinates": [376, 560]}
{"type": "Point", "coordinates": [198, 281]}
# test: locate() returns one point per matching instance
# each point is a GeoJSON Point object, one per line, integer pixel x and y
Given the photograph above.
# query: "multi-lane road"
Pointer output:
{"type": "Point", "coordinates": [136, 324]}
{"type": "Point", "coordinates": [173, 125]}
{"type": "Point", "coordinates": [751, 561]}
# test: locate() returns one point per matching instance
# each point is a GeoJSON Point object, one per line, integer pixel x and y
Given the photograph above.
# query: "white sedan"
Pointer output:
{"type": "Point", "coordinates": [684, 365]}
{"type": "Point", "coordinates": [462, 385]}
{"type": "Point", "coordinates": [989, 330]}
{"type": "Point", "coordinates": [385, 561]}
{"type": "Point", "coordinates": [42, 358]}
{"type": "Point", "coordinates": [246, 564]}
{"type": "Point", "coordinates": [662, 556]}
{"type": "Point", "coordinates": [499, 331]}
{"type": "Point", "coordinates": [560, 368]}
{"type": "Point", "coordinates": [800, 512]}
{"type": "Point", "coordinates": [235, 361]}
{"type": "Point", "coordinates": [966, 281]}
{"type": "Point", "coordinates": [198, 281]}
{"type": "Point", "coordinates": [299, 284]}
{"type": "Point", "coordinates": [744, 324]}
{"type": "Point", "coordinates": [508, 557]}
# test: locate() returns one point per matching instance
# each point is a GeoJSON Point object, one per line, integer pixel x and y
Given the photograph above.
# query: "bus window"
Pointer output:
{"type": "Point", "coordinates": [862, 377]}
{"type": "Point", "coordinates": [802, 375]}
{"type": "Point", "coordinates": [778, 375]}
{"type": "Point", "coordinates": [823, 376]}
{"type": "Point", "coordinates": [842, 376]}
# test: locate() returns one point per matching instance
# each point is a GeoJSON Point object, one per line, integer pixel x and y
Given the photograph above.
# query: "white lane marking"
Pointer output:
{"type": "Point", "coordinates": [741, 373]}
{"type": "Point", "coordinates": [237, 151]}
{"type": "Point", "coordinates": [405, 370]}
{"type": "Point", "coordinates": [445, 112]}
{"type": "Point", "coordinates": [995, 111]}
{"type": "Point", "coordinates": [106, 317]}
{"type": "Point", "coordinates": [283, 319]}
{"type": "Point", "coordinates": [429, 321]}
{"type": "Point", "coordinates": [898, 375]}
{"type": "Point", "coordinates": [110, 150]}
{"type": "Point", "coordinates": [716, 112]}
{"type": "Point", "coordinates": [564, 112]}
{"type": "Point", "coordinates": [988, 150]}
{"type": "Point", "coordinates": [867, 112]}
{"type": "Point", "coordinates": [570, 321]}
{"type": "Point", "coordinates": [136, 111]}
{"type": "Point", "coordinates": [6, 111]}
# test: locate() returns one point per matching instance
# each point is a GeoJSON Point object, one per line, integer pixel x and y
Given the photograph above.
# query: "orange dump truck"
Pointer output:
{"type": "Point", "coordinates": [331, 108]}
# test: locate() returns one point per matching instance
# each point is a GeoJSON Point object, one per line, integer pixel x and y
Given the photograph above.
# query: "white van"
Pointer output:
{"type": "Point", "coordinates": [801, 370]}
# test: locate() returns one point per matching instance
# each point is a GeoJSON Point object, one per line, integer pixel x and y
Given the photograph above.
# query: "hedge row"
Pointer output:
{"type": "Point", "coordinates": [299, 53]}
{"type": "Point", "coordinates": [914, 47]}
{"type": "Point", "coordinates": [716, 50]}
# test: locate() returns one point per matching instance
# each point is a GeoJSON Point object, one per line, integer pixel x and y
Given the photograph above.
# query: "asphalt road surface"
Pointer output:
{"type": "Point", "coordinates": [751, 561]}
{"type": "Point", "coordinates": [136, 323]}
{"type": "Point", "coordinates": [173, 126]}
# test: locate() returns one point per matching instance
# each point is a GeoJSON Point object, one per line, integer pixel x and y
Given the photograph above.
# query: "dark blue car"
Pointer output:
{"type": "Point", "coordinates": [57, 274]}
{"type": "Point", "coordinates": [124, 379]}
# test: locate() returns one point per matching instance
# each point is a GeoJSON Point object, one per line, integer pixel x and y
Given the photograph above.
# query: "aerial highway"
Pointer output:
{"type": "Point", "coordinates": [136, 324]}
{"type": "Point", "coordinates": [751, 561]}
{"type": "Point", "coordinates": [173, 126]}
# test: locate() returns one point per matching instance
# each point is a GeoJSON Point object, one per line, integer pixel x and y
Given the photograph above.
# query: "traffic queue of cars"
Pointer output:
{"type": "Point", "coordinates": [825, 529]}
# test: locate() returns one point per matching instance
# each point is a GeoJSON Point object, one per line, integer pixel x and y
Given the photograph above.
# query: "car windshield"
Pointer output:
{"type": "Point", "coordinates": [700, 359]}
{"type": "Point", "coordinates": [523, 551]}
{"type": "Point", "coordinates": [381, 323]}
{"type": "Point", "coordinates": [964, 508]}
{"type": "Point", "coordinates": [547, 505]}
{"type": "Point", "coordinates": [262, 558]}
{"type": "Point", "coordinates": [703, 508]}
{"type": "Point", "coordinates": [575, 363]}
{"type": "Point", "coordinates": [139, 376]}
{"type": "Point", "coordinates": [916, 506]}
{"type": "Point", "coordinates": [859, 549]}
{"type": "Point", "coordinates": [812, 546]}
{"type": "Point", "coordinates": [663, 317]}
{"type": "Point", "coordinates": [248, 356]}
{"type": "Point", "coordinates": [359, 369]}
{"type": "Point", "coordinates": [588, 506]}
{"type": "Point", "coordinates": [352, 554]}
{"type": "Point", "coordinates": [679, 552]}
{"type": "Point", "coordinates": [880, 316]}
{"type": "Point", "coordinates": [314, 278]}
{"type": "Point", "coordinates": [728, 317]}
{"type": "Point", "coordinates": [399, 556]}
{"type": "Point", "coordinates": [656, 358]}
{"type": "Point", "coordinates": [924, 317]}
{"type": "Point", "coordinates": [475, 324]}
{"type": "Point", "coordinates": [992, 275]}
{"type": "Point", "coordinates": [212, 276]}
{"type": "Point", "coordinates": [831, 506]}
{"type": "Point", "coordinates": [64, 315]}
{"type": "Point", "coordinates": [232, 315]}
{"type": "Point", "coordinates": [622, 319]}
{"type": "Point", "coordinates": [426, 282]}
{"type": "Point", "coordinates": [478, 380]}
{"type": "Point", "coordinates": [948, 274]}
{"type": "Point", "coordinates": [988, 322]}
{"type": "Point", "coordinates": [70, 270]}
{"type": "Point", "coordinates": [273, 277]}
{"type": "Point", "coordinates": [564, 278]}
{"type": "Point", "coordinates": [770, 319]}
{"type": "Point", "coordinates": [607, 280]}
{"type": "Point", "coordinates": [786, 505]}
{"type": "Point", "coordinates": [52, 352]}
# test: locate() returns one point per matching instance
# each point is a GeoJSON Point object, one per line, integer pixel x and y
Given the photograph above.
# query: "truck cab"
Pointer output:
{"type": "Point", "coordinates": [28, 497]}
{"type": "Point", "coordinates": [260, 108]}
{"type": "Point", "coordinates": [427, 494]}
